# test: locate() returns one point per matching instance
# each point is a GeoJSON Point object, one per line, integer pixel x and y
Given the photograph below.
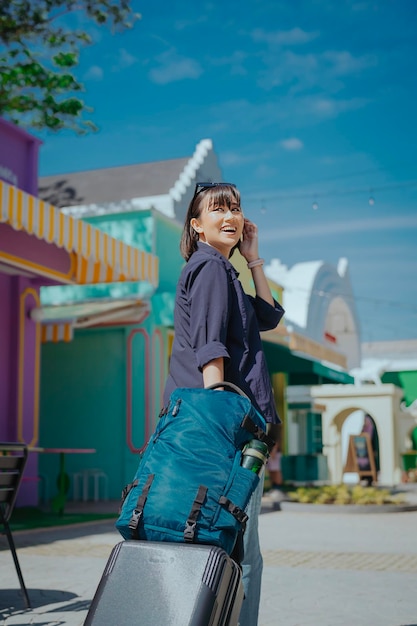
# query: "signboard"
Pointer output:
{"type": "Point", "coordinates": [360, 457]}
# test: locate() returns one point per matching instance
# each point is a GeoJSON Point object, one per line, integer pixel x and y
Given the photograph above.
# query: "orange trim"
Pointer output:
{"type": "Point", "coordinates": [39, 269]}
{"type": "Point", "coordinates": [105, 249]}
{"type": "Point", "coordinates": [80, 234]}
{"type": "Point", "coordinates": [41, 219]}
{"type": "Point", "coordinates": [30, 216]}
{"type": "Point", "coordinates": [19, 214]}
{"type": "Point", "coordinates": [22, 319]}
{"type": "Point", "coordinates": [61, 227]}
{"type": "Point", "coordinates": [88, 241]}
{"type": "Point", "coordinates": [70, 233]}
{"type": "Point", "coordinates": [96, 273]}
{"type": "Point", "coordinates": [51, 225]}
{"type": "Point", "coordinates": [10, 203]}
{"type": "Point", "coordinates": [67, 332]}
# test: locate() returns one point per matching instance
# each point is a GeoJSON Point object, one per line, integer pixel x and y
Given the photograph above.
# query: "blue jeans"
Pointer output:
{"type": "Point", "coordinates": [252, 561]}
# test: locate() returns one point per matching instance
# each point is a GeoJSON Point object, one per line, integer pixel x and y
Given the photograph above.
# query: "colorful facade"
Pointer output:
{"type": "Point", "coordinates": [39, 247]}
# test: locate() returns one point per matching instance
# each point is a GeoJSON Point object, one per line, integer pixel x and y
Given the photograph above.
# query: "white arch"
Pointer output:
{"type": "Point", "coordinates": [383, 403]}
{"type": "Point", "coordinates": [318, 299]}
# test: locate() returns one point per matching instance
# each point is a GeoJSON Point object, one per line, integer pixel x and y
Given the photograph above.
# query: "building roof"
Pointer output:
{"type": "Point", "coordinates": [400, 349]}
{"type": "Point", "coordinates": [166, 186]}
{"type": "Point", "coordinates": [111, 184]}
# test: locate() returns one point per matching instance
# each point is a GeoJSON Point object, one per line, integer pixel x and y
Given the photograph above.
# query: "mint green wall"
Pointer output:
{"type": "Point", "coordinates": [134, 228]}
{"type": "Point", "coordinates": [82, 403]}
{"type": "Point", "coordinates": [167, 249]}
{"type": "Point", "coordinates": [86, 399]}
{"type": "Point", "coordinates": [152, 232]}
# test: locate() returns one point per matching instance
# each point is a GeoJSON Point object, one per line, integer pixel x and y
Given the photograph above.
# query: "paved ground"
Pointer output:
{"type": "Point", "coordinates": [319, 570]}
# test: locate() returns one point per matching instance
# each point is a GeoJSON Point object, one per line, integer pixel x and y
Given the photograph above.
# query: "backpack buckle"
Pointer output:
{"type": "Point", "coordinates": [189, 531]}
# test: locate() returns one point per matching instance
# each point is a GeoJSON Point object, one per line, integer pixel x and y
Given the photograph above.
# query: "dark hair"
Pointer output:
{"type": "Point", "coordinates": [223, 194]}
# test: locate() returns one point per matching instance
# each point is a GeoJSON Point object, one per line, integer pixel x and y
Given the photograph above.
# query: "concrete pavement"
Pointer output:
{"type": "Point", "coordinates": [319, 570]}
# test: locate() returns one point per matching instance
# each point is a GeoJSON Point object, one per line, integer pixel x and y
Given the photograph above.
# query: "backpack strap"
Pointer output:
{"type": "Point", "coordinates": [191, 523]}
{"type": "Point", "coordinates": [249, 425]}
{"type": "Point", "coordinates": [125, 492]}
{"type": "Point", "coordinates": [137, 513]}
{"type": "Point", "coordinates": [237, 513]}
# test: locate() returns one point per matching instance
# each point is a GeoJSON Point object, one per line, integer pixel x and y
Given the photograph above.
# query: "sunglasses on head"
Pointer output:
{"type": "Point", "coordinates": [203, 186]}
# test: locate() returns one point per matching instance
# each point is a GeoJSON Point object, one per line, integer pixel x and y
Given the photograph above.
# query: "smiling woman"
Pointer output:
{"type": "Point", "coordinates": [220, 222]}
{"type": "Point", "coordinates": [217, 328]}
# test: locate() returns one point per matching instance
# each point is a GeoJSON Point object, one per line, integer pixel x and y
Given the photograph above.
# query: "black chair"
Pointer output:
{"type": "Point", "coordinates": [13, 457]}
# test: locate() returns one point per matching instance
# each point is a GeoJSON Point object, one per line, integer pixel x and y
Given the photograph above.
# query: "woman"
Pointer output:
{"type": "Point", "coordinates": [217, 330]}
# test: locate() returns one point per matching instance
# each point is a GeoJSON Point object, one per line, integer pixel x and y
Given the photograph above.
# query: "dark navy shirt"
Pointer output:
{"type": "Point", "coordinates": [214, 318]}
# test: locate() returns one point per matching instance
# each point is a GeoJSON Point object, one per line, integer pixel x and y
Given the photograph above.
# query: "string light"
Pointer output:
{"type": "Point", "coordinates": [344, 192]}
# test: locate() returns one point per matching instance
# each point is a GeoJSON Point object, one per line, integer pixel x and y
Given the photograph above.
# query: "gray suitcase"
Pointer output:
{"type": "Point", "coordinates": [167, 584]}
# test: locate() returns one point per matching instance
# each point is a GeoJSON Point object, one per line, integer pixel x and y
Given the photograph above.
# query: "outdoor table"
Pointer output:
{"type": "Point", "coordinates": [59, 500]}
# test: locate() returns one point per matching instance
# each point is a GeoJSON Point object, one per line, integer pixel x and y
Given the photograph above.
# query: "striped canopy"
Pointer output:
{"type": "Point", "coordinates": [99, 258]}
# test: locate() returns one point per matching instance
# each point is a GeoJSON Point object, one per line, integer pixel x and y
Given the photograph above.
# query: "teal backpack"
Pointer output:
{"type": "Point", "coordinates": [190, 486]}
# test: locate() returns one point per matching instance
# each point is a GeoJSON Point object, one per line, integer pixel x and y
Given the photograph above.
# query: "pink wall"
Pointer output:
{"type": "Point", "coordinates": [39, 253]}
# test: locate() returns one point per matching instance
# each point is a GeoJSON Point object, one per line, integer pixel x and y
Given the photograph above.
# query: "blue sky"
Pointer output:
{"type": "Point", "coordinates": [308, 101]}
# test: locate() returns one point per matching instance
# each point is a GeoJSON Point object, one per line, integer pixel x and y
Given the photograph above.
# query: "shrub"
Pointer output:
{"type": "Point", "coordinates": [343, 494]}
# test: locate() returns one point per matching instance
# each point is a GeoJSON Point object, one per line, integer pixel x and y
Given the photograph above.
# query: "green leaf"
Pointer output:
{"type": "Point", "coordinates": [36, 89]}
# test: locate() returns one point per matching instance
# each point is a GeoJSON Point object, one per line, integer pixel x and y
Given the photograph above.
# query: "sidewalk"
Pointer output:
{"type": "Point", "coordinates": [319, 570]}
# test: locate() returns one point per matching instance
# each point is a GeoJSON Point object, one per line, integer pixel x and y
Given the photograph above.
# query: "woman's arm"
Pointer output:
{"type": "Point", "coordinates": [261, 284]}
{"type": "Point", "coordinates": [213, 372]}
{"type": "Point", "coordinates": [249, 250]}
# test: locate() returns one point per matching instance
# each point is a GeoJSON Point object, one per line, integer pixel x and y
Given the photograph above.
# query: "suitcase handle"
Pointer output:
{"type": "Point", "coordinates": [232, 386]}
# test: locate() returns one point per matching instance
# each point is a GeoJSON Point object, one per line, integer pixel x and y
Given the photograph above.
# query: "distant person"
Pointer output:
{"type": "Point", "coordinates": [370, 429]}
{"type": "Point", "coordinates": [273, 466]}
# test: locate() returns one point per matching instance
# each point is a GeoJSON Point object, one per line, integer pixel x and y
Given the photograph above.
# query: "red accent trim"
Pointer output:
{"type": "Point", "coordinates": [330, 337]}
{"type": "Point", "coordinates": [129, 416]}
{"type": "Point", "coordinates": [158, 364]}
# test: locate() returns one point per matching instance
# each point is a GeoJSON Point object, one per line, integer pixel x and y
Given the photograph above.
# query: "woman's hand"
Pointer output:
{"type": "Point", "coordinates": [249, 244]}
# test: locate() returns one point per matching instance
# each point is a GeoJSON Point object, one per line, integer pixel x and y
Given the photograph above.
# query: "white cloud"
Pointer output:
{"type": "Point", "coordinates": [306, 110]}
{"type": "Point", "coordinates": [94, 73]}
{"type": "Point", "coordinates": [332, 107]}
{"type": "Point", "coordinates": [235, 61]}
{"type": "Point", "coordinates": [292, 143]}
{"type": "Point", "coordinates": [235, 158]}
{"type": "Point", "coordinates": [172, 67]}
{"type": "Point", "coordinates": [302, 72]}
{"type": "Point", "coordinates": [343, 62]}
{"type": "Point", "coordinates": [295, 36]}
{"type": "Point", "coordinates": [125, 59]}
{"type": "Point", "coordinates": [396, 222]}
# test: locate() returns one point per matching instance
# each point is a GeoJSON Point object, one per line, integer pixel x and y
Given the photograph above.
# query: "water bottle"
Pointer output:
{"type": "Point", "coordinates": [254, 455]}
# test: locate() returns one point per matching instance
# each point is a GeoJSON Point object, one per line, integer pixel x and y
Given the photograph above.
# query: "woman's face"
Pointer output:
{"type": "Point", "coordinates": [219, 225]}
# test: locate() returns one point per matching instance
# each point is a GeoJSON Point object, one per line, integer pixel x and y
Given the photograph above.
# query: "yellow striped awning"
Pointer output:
{"type": "Point", "coordinates": [59, 321]}
{"type": "Point", "coordinates": [63, 331]}
{"type": "Point", "coordinates": [100, 258]}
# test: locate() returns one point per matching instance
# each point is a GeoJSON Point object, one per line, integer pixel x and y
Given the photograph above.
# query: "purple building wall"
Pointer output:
{"type": "Point", "coordinates": [18, 157]}
{"type": "Point", "coordinates": [19, 337]}
{"type": "Point", "coordinates": [5, 355]}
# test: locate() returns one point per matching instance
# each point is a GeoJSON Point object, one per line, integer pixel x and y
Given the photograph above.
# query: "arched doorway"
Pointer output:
{"type": "Point", "coordinates": [382, 403]}
{"type": "Point", "coordinates": [356, 423]}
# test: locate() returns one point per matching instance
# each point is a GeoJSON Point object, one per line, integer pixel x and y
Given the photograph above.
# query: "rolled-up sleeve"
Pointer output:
{"type": "Point", "coordinates": [209, 302]}
{"type": "Point", "coordinates": [268, 316]}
